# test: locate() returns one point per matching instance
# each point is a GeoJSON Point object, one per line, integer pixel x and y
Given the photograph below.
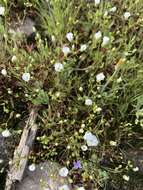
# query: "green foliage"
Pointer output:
{"type": "Point", "coordinates": [115, 113]}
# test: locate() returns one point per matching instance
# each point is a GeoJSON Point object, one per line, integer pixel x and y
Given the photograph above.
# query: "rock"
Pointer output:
{"type": "Point", "coordinates": [44, 177]}
{"type": "Point", "coordinates": [26, 27]}
{"type": "Point", "coordinates": [6, 149]}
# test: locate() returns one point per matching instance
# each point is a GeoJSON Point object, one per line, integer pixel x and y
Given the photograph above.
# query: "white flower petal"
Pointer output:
{"type": "Point", "coordinates": [97, 2]}
{"type": "Point", "coordinates": [105, 41]}
{"type": "Point", "coordinates": [2, 10]}
{"type": "Point", "coordinates": [69, 36]}
{"type": "Point", "coordinates": [83, 47]}
{"type": "Point", "coordinates": [26, 77]}
{"type": "Point", "coordinates": [63, 172]}
{"type": "Point", "coordinates": [84, 148]}
{"type": "Point", "coordinates": [4, 72]}
{"type": "Point", "coordinates": [32, 167]}
{"type": "Point", "coordinates": [113, 9]}
{"type": "Point", "coordinates": [53, 38]}
{"type": "Point", "coordinates": [14, 59]}
{"type": "Point", "coordinates": [98, 35]}
{"type": "Point", "coordinates": [127, 15]}
{"type": "Point", "coordinates": [135, 169]}
{"type": "Point", "coordinates": [100, 77]}
{"type": "Point", "coordinates": [126, 178]}
{"type": "Point", "coordinates": [1, 161]}
{"type": "Point", "coordinates": [119, 80]}
{"type": "Point", "coordinates": [6, 133]}
{"type": "Point", "coordinates": [91, 139]}
{"type": "Point", "coordinates": [66, 50]}
{"type": "Point", "coordinates": [88, 102]}
{"type": "Point", "coordinates": [58, 67]}
{"type": "Point", "coordinates": [113, 143]}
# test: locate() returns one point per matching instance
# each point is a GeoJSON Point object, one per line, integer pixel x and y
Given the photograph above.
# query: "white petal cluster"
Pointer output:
{"type": "Point", "coordinates": [2, 10]}
{"type": "Point", "coordinates": [97, 2]}
{"type": "Point", "coordinates": [88, 102]}
{"type": "Point", "coordinates": [100, 77]}
{"type": "Point", "coordinates": [6, 133]}
{"type": "Point", "coordinates": [14, 59]}
{"type": "Point", "coordinates": [91, 139]}
{"type": "Point", "coordinates": [105, 41]}
{"type": "Point", "coordinates": [69, 36]}
{"type": "Point", "coordinates": [4, 72]}
{"type": "Point", "coordinates": [126, 178]}
{"type": "Point", "coordinates": [113, 9]}
{"type": "Point", "coordinates": [83, 47]}
{"type": "Point", "coordinates": [63, 172]}
{"type": "Point", "coordinates": [84, 148]}
{"type": "Point", "coordinates": [127, 15]}
{"type": "Point", "coordinates": [58, 67]}
{"type": "Point", "coordinates": [32, 167]}
{"type": "Point", "coordinates": [113, 143]}
{"type": "Point", "coordinates": [98, 35]}
{"type": "Point", "coordinates": [66, 50]}
{"type": "Point", "coordinates": [26, 77]}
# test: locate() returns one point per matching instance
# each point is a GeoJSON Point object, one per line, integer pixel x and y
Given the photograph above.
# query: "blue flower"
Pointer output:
{"type": "Point", "coordinates": [77, 165]}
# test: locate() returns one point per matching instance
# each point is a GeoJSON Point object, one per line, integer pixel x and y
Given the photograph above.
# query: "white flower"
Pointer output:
{"type": "Point", "coordinates": [127, 15]}
{"type": "Point", "coordinates": [91, 139]}
{"type": "Point", "coordinates": [1, 161]}
{"type": "Point", "coordinates": [18, 115]}
{"type": "Point", "coordinates": [105, 41]}
{"type": "Point", "coordinates": [98, 109]}
{"type": "Point", "coordinates": [113, 9]}
{"type": "Point", "coordinates": [2, 10]}
{"type": "Point", "coordinates": [63, 172]}
{"type": "Point", "coordinates": [97, 2]}
{"type": "Point", "coordinates": [84, 148]}
{"type": "Point", "coordinates": [119, 80]}
{"type": "Point", "coordinates": [4, 72]}
{"type": "Point", "coordinates": [80, 88]}
{"type": "Point", "coordinates": [53, 38]}
{"type": "Point", "coordinates": [100, 77]}
{"type": "Point", "coordinates": [113, 143]}
{"type": "Point", "coordinates": [73, 47]}
{"type": "Point", "coordinates": [105, 13]}
{"type": "Point", "coordinates": [6, 133]}
{"type": "Point", "coordinates": [64, 187]}
{"type": "Point", "coordinates": [83, 47]}
{"type": "Point", "coordinates": [66, 50]}
{"type": "Point", "coordinates": [135, 169]}
{"type": "Point", "coordinates": [32, 167]}
{"type": "Point", "coordinates": [69, 36]}
{"type": "Point", "coordinates": [88, 102]}
{"type": "Point", "coordinates": [81, 130]}
{"type": "Point", "coordinates": [83, 125]}
{"type": "Point", "coordinates": [126, 178]}
{"type": "Point", "coordinates": [26, 77]}
{"type": "Point", "coordinates": [80, 188]}
{"type": "Point", "coordinates": [58, 67]}
{"type": "Point", "coordinates": [14, 59]}
{"type": "Point", "coordinates": [98, 35]}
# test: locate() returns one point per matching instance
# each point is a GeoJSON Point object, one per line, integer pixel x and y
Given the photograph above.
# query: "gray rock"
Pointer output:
{"type": "Point", "coordinates": [26, 27]}
{"type": "Point", "coordinates": [6, 149]}
{"type": "Point", "coordinates": [44, 177]}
